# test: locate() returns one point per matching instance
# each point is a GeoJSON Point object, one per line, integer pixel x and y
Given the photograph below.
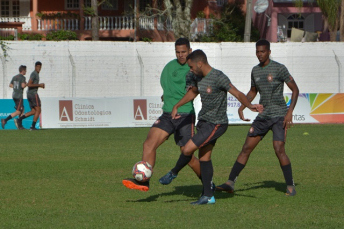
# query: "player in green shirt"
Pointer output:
{"type": "Point", "coordinates": [267, 78]}
{"type": "Point", "coordinates": [175, 80]}
{"type": "Point", "coordinates": [33, 97]}
{"type": "Point", "coordinates": [18, 83]}
{"type": "Point", "coordinates": [213, 87]}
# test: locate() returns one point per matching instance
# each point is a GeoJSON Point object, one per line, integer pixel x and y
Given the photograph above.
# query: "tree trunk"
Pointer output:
{"type": "Point", "coordinates": [95, 21]}
{"type": "Point", "coordinates": [342, 22]}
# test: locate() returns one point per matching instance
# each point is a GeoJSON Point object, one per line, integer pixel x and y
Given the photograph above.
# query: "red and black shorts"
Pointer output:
{"type": "Point", "coordinates": [208, 133]}
{"type": "Point", "coordinates": [260, 127]}
{"type": "Point", "coordinates": [182, 128]}
{"type": "Point", "coordinates": [19, 106]}
{"type": "Point", "coordinates": [34, 100]}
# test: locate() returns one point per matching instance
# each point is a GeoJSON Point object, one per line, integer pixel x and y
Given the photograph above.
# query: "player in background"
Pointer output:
{"type": "Point", "coordinates": [267, 78]}
{"type": "Point", "coordinates": [18, 83]}
{"type": "Point", "coordinates": [175, 80]}
{"type": "Point", "coordinates": [213, 87]}
{"type": "Point", "coordinates": [33, 97]}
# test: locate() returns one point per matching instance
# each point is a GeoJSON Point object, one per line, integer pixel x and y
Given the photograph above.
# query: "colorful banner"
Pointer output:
{"type": "Point", "coordinates": [143, 111]}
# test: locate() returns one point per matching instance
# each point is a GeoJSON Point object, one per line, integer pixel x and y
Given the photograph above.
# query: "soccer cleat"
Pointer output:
{"type": "Point", "coordinates": [167, 179]}
{"type": "Point", "coordinates": [288, 193]}
{"type": "Point", "coordinates": [21, 128]}
{"type": "Point", "coordinates": [17, 123]}
{"type": "Point", "coordinates": [225, 188]}
{"type": "Point", "coordinates": [3, 123]}
{"type": "Point", "coordinates": [204, 200]}
{"type": "Point", "coordinates": [134, 184]}
{"type": "Point", "coordinates": [33, 128]}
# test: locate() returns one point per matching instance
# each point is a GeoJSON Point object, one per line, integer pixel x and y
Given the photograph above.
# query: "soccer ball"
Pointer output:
{"type": "Point", "coordinates": [142, 171]}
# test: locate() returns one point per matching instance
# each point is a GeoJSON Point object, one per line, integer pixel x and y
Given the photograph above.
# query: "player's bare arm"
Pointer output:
{"type": "Point", "coordinates": [244, 101]}
{"type": "Point", "coordinates": [11, 85]}
{"type": "Point", "coordinates": [250, 96]}
{"type": "Point", "coordinates": [190, 95]}
{"type": "Point", "coordinates": [31, 84]}
{"type": "Point", "coordinates": [288, 118]}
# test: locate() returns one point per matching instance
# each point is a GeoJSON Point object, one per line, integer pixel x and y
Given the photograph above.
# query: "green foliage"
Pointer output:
{"type": "Point", "coordinates": [61, 35]}
{"type": "Point", "coordinates": [146, 39]}
{"type": "Point", "coordinates": [30, 37]}
{"type": "Point", "coordinates": [72, 179]}
{"type": "Point", "coordinates": [230, 27]}
{"type": "Point", "coordinates": [4, 47]}
{"type": "Point", "coordinates": [8, 38]}
{"type": "Point", "coordinates": [58, 15]}
{"type": "Point", "coordinates": [330, 9]}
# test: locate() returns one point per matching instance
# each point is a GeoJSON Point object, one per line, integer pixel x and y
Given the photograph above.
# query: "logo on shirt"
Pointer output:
{"type": "Point", "coordinates": [66, 110]}
{"type": "Point", "coordinates": [270, 77]}
{"type": "Point", "coordinates": [251, 129]}
{"type": "Point", "coordinates": [209, 90]}
{"type": "Point", "coordinates": [140, 109]}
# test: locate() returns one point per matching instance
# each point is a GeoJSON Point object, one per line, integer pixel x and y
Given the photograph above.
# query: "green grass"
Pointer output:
{"type": "Point", "coordinates": [71, 178]}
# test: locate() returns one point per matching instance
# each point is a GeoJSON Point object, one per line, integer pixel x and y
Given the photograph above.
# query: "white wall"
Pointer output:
{"type": "Point", "coordinates": [110, 69]}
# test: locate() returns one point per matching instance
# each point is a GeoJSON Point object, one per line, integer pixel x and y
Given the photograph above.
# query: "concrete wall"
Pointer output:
{"type": "Point", "coordinates": [110, 69]}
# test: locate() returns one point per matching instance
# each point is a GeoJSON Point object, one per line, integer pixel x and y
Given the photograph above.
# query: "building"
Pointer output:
{"type": "Point", "coordinates": [117, 21]}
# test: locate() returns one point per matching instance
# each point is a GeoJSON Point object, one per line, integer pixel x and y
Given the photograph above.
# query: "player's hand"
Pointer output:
{"type": "Point", "coordinates": [189, 87]}
{"type": "Point", "coordinates": [162, 98]}
{"type": "Point", "coordinates": [288, 121]}
{"type": "Point", "coordinates": [241, 114]}
{"type": "Point", "coordinates": [43, 85]}
{"type": "Point", "coordinates": [174, 113]}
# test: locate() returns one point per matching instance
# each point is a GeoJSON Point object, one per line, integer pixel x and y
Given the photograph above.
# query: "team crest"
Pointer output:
{"type": "Point", "coordinates": [251, 130]}
{"type": "Point", "coordinates": [209, 90]}
{"type": "Point", "coordinates": [270, 77]}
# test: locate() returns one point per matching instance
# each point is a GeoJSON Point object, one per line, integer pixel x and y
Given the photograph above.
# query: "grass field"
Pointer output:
{"type": "Point", "coordinates": [71, 178]}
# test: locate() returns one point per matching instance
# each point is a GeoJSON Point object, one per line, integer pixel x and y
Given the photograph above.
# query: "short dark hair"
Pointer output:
{"type": "Point", "coordinates": [21, 68]}
{"type": "Point", "coordinates": [183, 41]}
{"type": "Point", "coordinates": [263, 42]}
{"type": "Point", "coordinates": [38, 63]}
{"type": "Point", "coordinates": [197, 55]}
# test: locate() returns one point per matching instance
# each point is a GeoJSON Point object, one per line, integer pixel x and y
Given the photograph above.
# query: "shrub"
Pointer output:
{"type": "Point", "coordinates": [8, 38]}
{"type": "Point", "coordinates": [30, 37]}
{"type": "Point", "coordinates": [61, 35]}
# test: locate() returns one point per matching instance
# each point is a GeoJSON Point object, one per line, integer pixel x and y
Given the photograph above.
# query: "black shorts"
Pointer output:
{"type": "Point", "coordinates": [34, 100]}
{"type": "Point", "coordinates": [19, 106]}
{"type": "Point", "coordinates": [260, 127]}
{"type": "Point", "coordinates": [208, 133]}
{"type": "Point", "coordinates": [182, 128]}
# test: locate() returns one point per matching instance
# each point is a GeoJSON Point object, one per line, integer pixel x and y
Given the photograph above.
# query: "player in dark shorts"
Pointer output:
{"type": "Point", "coordinates": [175, 80]}
{"type": "Point", "coordinates": [213, 87]}
{"type": "Point", "coordinates": [33, 97]}
{"type": "Point", "coordinates": [18, 83]}
{"type": "Point", "coordinates": [267, 78]}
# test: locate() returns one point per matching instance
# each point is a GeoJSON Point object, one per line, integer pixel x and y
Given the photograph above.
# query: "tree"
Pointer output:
{"type": "Point", "coordinates": [333, 12]}
{"type": "Point", "coordinates": [93, 12]}
{"type": "Point", "coordinates": [176, 11]}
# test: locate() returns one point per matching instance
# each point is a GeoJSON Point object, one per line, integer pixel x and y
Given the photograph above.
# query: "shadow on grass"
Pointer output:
{"type": "Point", "coordinates": [192, 191]}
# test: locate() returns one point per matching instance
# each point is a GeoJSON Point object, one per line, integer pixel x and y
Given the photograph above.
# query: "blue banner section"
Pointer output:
{"type": "Point", "coordinates": [7, 108]}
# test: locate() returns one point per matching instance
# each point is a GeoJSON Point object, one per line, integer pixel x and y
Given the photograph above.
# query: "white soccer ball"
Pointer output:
{"type": "Point", "coordinates": [142, 171]}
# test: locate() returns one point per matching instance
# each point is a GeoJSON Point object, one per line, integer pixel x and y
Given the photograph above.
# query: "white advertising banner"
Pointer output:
{"type": "Point", "coordinates": [143, 111]}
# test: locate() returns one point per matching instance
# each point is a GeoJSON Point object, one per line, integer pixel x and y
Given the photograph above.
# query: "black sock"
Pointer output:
{"type": "Point", "coordinates": [8, 118]}
{"type": "Point", "coordinates": [181, 163]}
{"type": "Point", "coordinates": [207, 172]}
{"type": "Point", "coordinates": [33, 124]}
{"type": "Point", "coordinates": [237, 167]}
{"type": "Point", "coordinates": [288, 174]}
{"type": "Point", "coordinates": [21, 117]}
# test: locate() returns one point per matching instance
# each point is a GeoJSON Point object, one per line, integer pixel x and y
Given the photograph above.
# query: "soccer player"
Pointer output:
{"type": "Point", "coordinates": [18, 83]}
{"type": "Point", "coordinates": [267, 78]}
{"type": "Point", "coordinates": [32, 96]}
{"type": "Point", "coordinates": [175, 80]}
{"type": "Point", "coordinates": [212, 120]}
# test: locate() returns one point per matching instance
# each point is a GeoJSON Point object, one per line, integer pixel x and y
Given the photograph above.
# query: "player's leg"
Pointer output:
{"type": "Point", "coordinates": [158, 134]}
{"type": "Point", "coordinates": [32, 104]}
{"type": "Point", "coordinates": [37, 112]}
{"type": "Point", "coordinates": [279, 137]}
{"type": "Point", "coordinates": [257, 131]}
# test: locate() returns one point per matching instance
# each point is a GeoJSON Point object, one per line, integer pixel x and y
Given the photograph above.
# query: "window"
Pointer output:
{"type": "Point", "coordinates": [5, 8]}
{"type": "Point", "coordinates": [87, 3]}
{"type": "Point", "coordinates": [112, 6]}
{"type": "Point", "coordinates": [72, 4]}
{"type": "Point", "coordinates": [144, 4]}
{"type": "Point", "coordinates": [296, 21]}
{"type": "Point", "coordinates": [9, 8]}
